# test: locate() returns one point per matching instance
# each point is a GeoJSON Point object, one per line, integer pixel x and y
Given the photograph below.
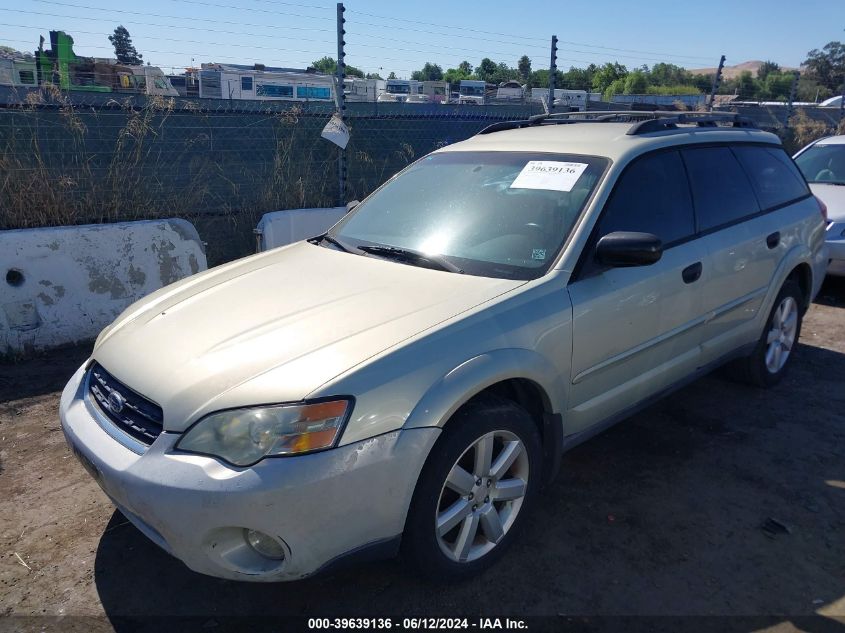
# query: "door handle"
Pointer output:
{"type": "Point", "coordinates": [691, 273]}
{"type": "Point", "coordinates": [773, 239]}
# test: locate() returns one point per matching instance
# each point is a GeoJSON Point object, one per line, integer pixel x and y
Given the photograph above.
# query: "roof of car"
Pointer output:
{"type": "Point", "coordinates": [832, 140]}
{"type": "Point", "coordinates": [605, 138]}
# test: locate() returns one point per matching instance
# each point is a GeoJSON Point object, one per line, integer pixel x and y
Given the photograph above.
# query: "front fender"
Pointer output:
{"type": "Point", "coordinates": [469, 378]}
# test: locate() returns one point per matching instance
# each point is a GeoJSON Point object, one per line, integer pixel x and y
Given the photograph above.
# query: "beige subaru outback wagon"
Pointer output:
{"type": "Point", "coordinates": [409, 380]}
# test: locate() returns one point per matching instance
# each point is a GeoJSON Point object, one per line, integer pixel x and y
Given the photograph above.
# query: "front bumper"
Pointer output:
{"type": "Point", "coordinates": [321, 506]}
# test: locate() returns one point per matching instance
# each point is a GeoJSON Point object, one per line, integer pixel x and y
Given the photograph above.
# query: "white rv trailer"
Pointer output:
{"type": "Point", "coordinates": [572, 98]}
{"type": "Point", "coordinates": [18, 72]}
{"type": "Point", "coordinates": [436, 91]}
{"type": "Point", "coordinates": [472, 92]}
{"type": "Point", "coordinates": [357, 90]}
{"type": "Point", "coordinates": [221, 81]}
{"type": "Point", "coordinates": [510, 91]}
{"type": "Point", "coordinates": [398, 90]}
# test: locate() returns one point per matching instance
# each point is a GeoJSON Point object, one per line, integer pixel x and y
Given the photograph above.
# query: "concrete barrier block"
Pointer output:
{"type": "Point", "coordinates": [62, 285]}
{"type": "Point", "coordinates": [286, 227]}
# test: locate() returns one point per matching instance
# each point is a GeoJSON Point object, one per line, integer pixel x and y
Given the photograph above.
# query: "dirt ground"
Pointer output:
{"type": "Point", "coordinates": [660, 516]}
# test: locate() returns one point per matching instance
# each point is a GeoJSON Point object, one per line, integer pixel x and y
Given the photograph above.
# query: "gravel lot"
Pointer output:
{"type": "Point", "coordinates": [661, 515]}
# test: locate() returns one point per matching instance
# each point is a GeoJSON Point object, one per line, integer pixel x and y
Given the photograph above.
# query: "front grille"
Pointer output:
{"type": "Point", "coordinates": [130, 412]}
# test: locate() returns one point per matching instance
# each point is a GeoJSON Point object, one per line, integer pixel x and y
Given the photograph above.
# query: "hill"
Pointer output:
{"type": "Point", "coordinates": [730, 72]}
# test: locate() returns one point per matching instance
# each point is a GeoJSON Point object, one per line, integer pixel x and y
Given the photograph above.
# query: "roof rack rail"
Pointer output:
{"type": "Point", "coordinates": [667, 120]}
{"type": "Point", "coordinates": [644, 121]}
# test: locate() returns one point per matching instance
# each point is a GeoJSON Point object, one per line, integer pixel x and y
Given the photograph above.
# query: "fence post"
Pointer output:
{"type": "Point", "coordinates": [552, 74]}
{"type": "Point", "coordinates": [793, 89]}
{"type": "Point", "coordinates": [341, 103]}
{"type": "Point", "coordinates": [717, 81]}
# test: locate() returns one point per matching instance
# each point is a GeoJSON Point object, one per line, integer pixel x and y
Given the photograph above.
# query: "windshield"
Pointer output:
{"type": "Point", "coordinates": [472, 90]}
{"type": "Point", "coordinates": [493, 214]}
{"type": "Point", "coordinates": [823, 163]}
{"type": "Point", "coordinates": [398, 89]}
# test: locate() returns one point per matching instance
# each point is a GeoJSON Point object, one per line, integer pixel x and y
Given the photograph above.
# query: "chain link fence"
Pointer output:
{"type": "Point", "coordinates": [220, 166]}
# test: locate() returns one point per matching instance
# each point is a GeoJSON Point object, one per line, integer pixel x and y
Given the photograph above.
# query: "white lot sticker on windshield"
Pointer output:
{"type": "Point", "coordinates": [549, 174]}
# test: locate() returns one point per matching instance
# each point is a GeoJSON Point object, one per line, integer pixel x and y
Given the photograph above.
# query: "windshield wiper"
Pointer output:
{"type": "Point", "coordinates": [347, 248]}
{"type": "Point", "coordinates": [411, 256]}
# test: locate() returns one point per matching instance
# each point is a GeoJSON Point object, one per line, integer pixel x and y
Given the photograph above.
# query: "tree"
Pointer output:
{"type": "Point", "coordinates": [429, 72]}
{"type": "Point", "coordinates": [827, 66]}
{"type": "Point", "coordinates": [392, 75]}
{"type": "Point", "coordinates": [465, 67]}
{"type": "Point", "coordinates": [328, 66]}
{"type": "Point", "coordinates": [373, 76]}
{"type": "Point", "coordinates": [766, 68]}
{"type": "Point", "coordinates": [124, 50]}
{"type": "Point", "coordinates": [746, 87]}
{"type": "Point", "coordinates": [636, 83]}
{"type": "Point", "coordinates": [607, 74]}
{"type": "Point", "coordinates": [669, 75]}
{"type": "Point", "coordinates": [616, 87]}
{"type": "Point", "coordinates": [578, 78]}
{"type": "Point", "coordinates": [455, 75]}
{"type": "Point", "coordinates": [776, 86]}
{"type": "Point", "coordinates": [524, 67]}
{"type": "Point", "coordinates": [486, 69]}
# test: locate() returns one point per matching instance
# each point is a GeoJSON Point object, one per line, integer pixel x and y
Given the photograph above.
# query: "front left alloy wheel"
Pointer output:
{"type": "Point", "coordinates": [474, 490]}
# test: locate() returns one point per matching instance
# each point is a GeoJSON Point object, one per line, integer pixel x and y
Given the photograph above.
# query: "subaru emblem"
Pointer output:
{"type": "Point", "coordinates": [116, 402]}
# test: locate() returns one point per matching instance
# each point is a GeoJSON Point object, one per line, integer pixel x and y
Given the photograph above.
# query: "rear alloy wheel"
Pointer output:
{"type": "Point", "coordinates": [782, 334]}
{"type": "Point", "coordinates": [767, 364]}
{"type": "Point", "coordinates": [474, 490]}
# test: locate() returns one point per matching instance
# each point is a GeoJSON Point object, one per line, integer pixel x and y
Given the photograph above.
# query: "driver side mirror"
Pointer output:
{"type": "Point", "coordinates": [352, 204]}
{"type": "Point", "coordinates": [626, 248]}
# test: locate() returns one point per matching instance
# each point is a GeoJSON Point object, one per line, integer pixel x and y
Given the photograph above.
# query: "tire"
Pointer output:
{"type": "Point", "coordinates": [767, 364]}
{"type": "Point", "coordinates": [448, 505]}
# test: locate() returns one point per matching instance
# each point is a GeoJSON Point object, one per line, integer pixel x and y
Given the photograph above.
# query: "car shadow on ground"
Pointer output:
{"type": "Point", "coordinates": [664, 514]}
{"type": "Point", "coordinates": [832, 292]}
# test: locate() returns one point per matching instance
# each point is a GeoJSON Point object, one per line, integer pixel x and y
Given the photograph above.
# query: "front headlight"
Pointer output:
{"type": "Point", "coordinates": [243, 437]}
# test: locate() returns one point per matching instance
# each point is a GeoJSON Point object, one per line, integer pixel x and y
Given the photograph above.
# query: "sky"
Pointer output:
{"type": "Point", "coordinates": [400, 36]}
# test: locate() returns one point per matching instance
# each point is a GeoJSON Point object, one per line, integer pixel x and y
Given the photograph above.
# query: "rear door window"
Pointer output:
{"type": "Point", "coordinates": [775, 178]}
{"type": "Point", "coordinates": [651, 196]}
{"type": "Point", "coordinates": [721, 192]}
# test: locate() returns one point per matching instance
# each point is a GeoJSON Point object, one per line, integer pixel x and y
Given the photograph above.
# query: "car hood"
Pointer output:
{"type": "Point", "coordinates": [274, 327]}
{"type": "Point", "coordinates": [834, 197]}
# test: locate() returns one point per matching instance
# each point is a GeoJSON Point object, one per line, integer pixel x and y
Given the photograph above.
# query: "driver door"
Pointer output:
{"type": "Point", "coordinates": [637, 330]}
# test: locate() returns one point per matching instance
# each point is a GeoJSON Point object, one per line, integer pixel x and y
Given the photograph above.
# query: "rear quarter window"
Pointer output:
{"type": "Point", "coordinates": [721, 191]}
{"type": "Point", "coordinates": [774, 177]}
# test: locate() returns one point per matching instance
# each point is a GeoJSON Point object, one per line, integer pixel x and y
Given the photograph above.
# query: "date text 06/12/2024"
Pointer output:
{"type": "Point", "coordinates": [409, 624]}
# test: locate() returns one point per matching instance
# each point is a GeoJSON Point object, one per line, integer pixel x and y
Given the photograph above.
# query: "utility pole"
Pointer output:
{"type": "Point", "coordinates": [552, 74]}
{"type": "Point", "coordinates": [717, 81]}
{"type": "Point", "coordinates": [792, 92]}
{"type": "Point", "coordinates": [341, 103]}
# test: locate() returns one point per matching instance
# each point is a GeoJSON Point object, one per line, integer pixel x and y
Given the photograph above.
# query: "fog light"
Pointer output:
{"type": "Point", "coordinates": [264, 544]}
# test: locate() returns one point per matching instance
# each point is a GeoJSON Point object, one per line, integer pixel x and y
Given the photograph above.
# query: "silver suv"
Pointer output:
{"type": "Point", "coordinates": [410, 379]}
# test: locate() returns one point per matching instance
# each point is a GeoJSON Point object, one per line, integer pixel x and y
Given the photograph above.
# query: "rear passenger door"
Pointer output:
{"type": "Point", "coordinates": [741, 196]}
{"type": "Point", "coordinates": [637, 330]}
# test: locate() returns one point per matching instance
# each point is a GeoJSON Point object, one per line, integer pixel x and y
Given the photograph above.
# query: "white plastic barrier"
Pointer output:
{"type": "Point", "coordinates": [62, 285]}
{"type": "Point", "coordinates": [286, 227]}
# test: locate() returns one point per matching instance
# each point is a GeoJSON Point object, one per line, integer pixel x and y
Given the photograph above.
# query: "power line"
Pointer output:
{"type": "Point", "coordinates": [237, 8]}
{"type": "Point", "coordinates": [517, 36]}
{"type": "Point", "coordinates": [447, 26]}
{"type": "Point", "coordinates": [171, 39]}
{"type": "Point", "coordinates": [178, 26]}
{"type": "Point", "coordinates": [177, 17]}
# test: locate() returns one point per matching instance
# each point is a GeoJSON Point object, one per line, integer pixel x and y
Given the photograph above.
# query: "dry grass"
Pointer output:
{"type": "Point", "coordinates": [803, 130]}
{"type": "Point", "coordinates": [125, 163]}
